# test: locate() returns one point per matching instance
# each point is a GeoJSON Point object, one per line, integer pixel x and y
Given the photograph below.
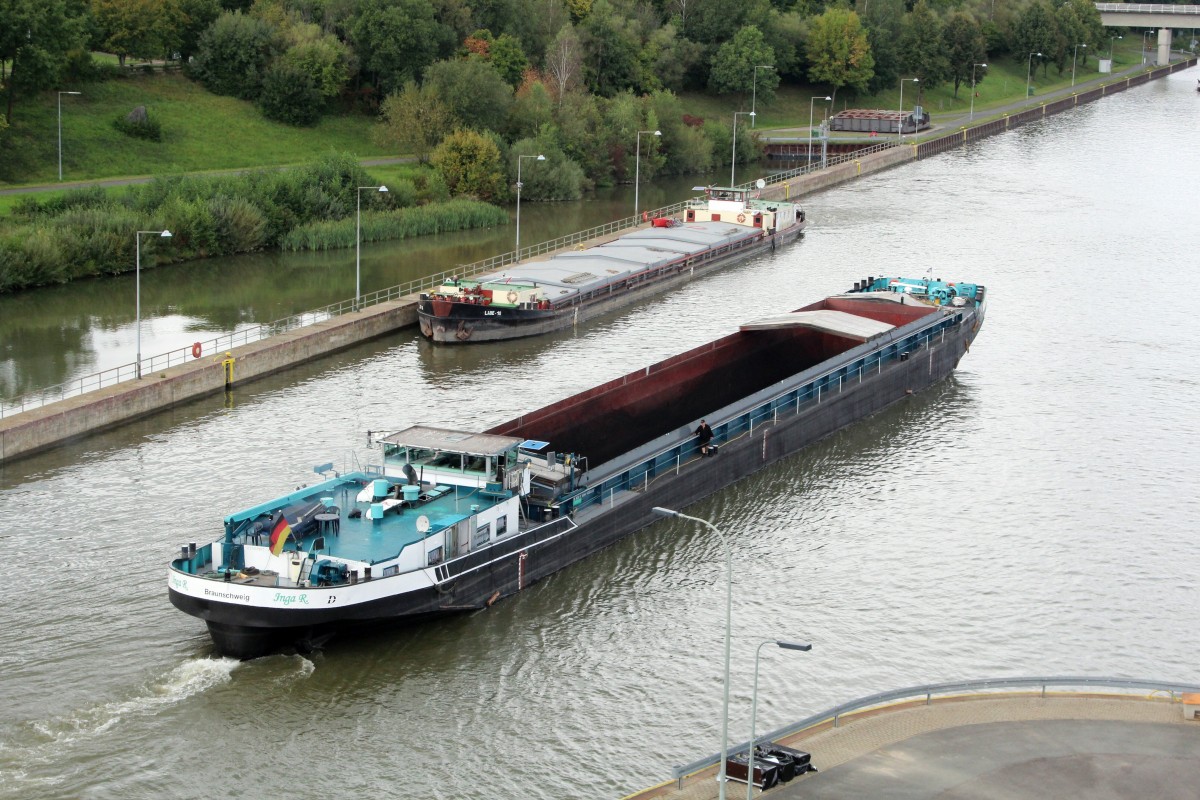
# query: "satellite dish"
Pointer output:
{"type": "Point", "coordinates": [760, 183]}
{"type": "Point", "coordinates": [422, 524]}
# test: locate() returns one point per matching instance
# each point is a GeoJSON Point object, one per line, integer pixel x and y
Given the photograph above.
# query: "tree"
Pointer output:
{"type": "Point", "coordinates": [139, 28]}
{"type": "Point", "coordinates": [922, 47]}
{"type": "Point", "coordinates": [413, 120]}
{"type": "Point", "coordinates": [882, 19]}
{"type": "Point", "coordinates": [233, 54]}
{"type": "Point", "coordinates": [555, 178]}
{"type": "Point", "coordinates": [563, 62]}
{"type": "Point", "coordinates": [838, 52]}
{"type": "Point", "coordinates": [396, 40]}
{"type": "Point", "coordinates": [609, 53]}
{"type": "Point", "coordinates": [473, 91]}
{"type": "Point", "coordinates": [470, 164]}
{"type": "Point", "coordinates": [324, 58]}
{"type": "Point", "coordinates": [965, 47]}
{"type": "Point", "coordinates": [733, 67]}
{"type": "Point", "coordinates": [36, 38]}
{"type": "Point", "coordinates": [1071, 32]}
{"type": "Point", "coordinates": [289, 95]}
{"type": "Point", "coordinates": [508, 59]}
{"type": "Point", "coordinates": [197, 16]}
{"type": "Point", "coordinates": [1033, 32]}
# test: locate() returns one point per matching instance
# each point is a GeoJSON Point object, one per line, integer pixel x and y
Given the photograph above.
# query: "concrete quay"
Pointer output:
{"type": "Point", "coordinates": [998, 746]}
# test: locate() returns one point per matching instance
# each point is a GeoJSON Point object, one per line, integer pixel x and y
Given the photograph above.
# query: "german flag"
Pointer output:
{"type": "Point", "coordinates": [280, 531]}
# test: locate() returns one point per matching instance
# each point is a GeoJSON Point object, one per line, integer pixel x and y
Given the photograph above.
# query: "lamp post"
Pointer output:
{"type": "Point", "coordinates": [754, 89]}
{"type": "Point", "coordinates": [358, 240]}
{"type": "Point", "coordinates": [1073, 55]}
{"type": "Point", "coordinates": [1145, 35]}
{"type": "Point", "coordinates": [1112, 40]}
{"type": "Point", "coordinates": [733, 158]}
{"type": "Point", "coordinates": [637, 172]}
{"type": "Point", "coordinates": [666, 512]}
{"type": "Point", "coordinates": [1029, 72]}
{"type": "Point", "coordinates": [812, 100]}
{"type": "Point", "coordinates": [538, 157]}
{"type": "Point", "coordinates": [802, 646]}
{"type": "Point", "coordinates": [165, 234]}
{"type": "Point", "coordinates": [60, 94]}
{"type": "Point", "coordinates": [900, 125]}
{"type": "Point", "coordinates": [973, 66]}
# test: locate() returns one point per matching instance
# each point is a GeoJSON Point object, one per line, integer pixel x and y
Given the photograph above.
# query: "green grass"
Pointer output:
{"type": "Point", "coordinates": [201, 132]}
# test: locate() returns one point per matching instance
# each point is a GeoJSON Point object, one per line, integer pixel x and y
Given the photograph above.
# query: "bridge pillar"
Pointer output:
{"type": "Point", "coordinates": [1163, 56]}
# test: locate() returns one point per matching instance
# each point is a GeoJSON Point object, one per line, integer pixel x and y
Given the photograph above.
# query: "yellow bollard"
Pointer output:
{"type": "Point", "coordinates": [227, 363]}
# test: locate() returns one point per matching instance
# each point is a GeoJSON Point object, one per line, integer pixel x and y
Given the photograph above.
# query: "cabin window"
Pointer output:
{"type": "Point", "coordinates": [501, 526]}
{"type": "Point", "coordinates": [392, 570]}
{"type": "Point", "coordinates": [482, 534]}
{"type": "Point", "coordinates": [475, 464]}
{"type": "Point", "coordinates": [435, 556]}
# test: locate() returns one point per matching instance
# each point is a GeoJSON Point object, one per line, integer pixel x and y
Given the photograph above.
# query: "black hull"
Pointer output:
{"type": "Point", "coordinates": [468, 323]}
{"type": "Point", "coordinates": [480, 579]}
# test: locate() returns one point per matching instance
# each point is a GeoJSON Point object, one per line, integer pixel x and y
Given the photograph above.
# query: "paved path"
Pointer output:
{"type": "Point", "coordinates": [993, 747]}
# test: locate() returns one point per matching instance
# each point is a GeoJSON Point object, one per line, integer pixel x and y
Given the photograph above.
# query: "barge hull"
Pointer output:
{"type": "Point", "coordinates": [475, 581]}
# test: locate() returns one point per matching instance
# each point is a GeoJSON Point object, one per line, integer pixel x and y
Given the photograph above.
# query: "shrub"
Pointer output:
{"type": "Point", "coordinates": [289, 95]}
{"type": "Point", "coordinates": [378, 226]}
{"type": "Point", "coordinates": [147, 128]}
{"type": "Point", "coordinates": [233, 53]}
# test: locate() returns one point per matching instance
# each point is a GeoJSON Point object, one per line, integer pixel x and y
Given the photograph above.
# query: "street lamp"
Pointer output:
{"type": "Point", "coordinates": [60, 94]}
{"type": "Point", "coordinates": [1145, 35]}
{"type": "Point", "coordinates": [1084, 46]}
{"type": "Point", "coordinates": [137, 369]}
{"type": "Point", "coordinates": [733, 158]}
{"type": "Point", "coordinates": [1028, 72]}
{"type": "Point", "coordinates": [358, 240]}
{"type": "Point", "coordinates": [666, 512]}
{"type": "Point", "coordinates": [812, 100]}
{"type": "Point", "coordinates": [1112, 40]}
{"type": "Point", "coordinates": [538, 157]}
{"type": "Point", "coordinates": [754, 89]}
{"type": "Point", "coordinates": [802, 646]}
{"type": "Point", "coordinates": [637, 172]}
{"type": "Point", "coordinates": [900, 126]}
{"type": "Point", "coordinates": [973, 66]}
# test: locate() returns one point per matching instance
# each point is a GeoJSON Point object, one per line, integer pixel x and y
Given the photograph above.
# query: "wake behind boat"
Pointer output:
{"type": "Point", "coordinates": [450, 521]}
{"type": "Point", "coordinates": [535, 297]}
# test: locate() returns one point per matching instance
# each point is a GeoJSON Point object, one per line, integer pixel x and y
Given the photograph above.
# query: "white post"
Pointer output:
{"type": "Point", "coordinates": [539, 157]}
{"type": "Point", "coordinates": [358, 240]}
{"type": "Point", "coordinates": [637, 173]}
{"type": "Point", "coordinates": [812, 100]}
{"type": "Point", "coordinates": [1029, 72]}
{"type": "Point", "coordinates": [973, 66]}
{"type": "Point", "coordinates": [165, 234]}
{"type": "Point", "coordinates": [721, 777]}
{"type": "Point", "coordinates": [1073, 56]}
{"type": "Point", "coordinates": [803, 646]}
{"type": "Point", "coordinates": [900, 125]}
{"type": "Point", "coordinates": [60, 94]}
{"type": "Point", "coordinates": [733, 156]}
{"type": "Point", "coordinates": [754, 90]}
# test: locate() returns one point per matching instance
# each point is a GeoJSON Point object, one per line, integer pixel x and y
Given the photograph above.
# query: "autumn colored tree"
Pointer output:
{"type": "Point", "coordinates": [838, 52]}
{"type": "Point", "coordinates": [470, 165]}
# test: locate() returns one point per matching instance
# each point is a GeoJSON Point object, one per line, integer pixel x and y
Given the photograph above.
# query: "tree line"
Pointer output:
{"type": "Point", "coordinates": [455, 81]}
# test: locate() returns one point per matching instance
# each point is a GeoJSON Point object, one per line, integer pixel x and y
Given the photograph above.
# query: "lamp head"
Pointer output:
{"type": "Point", "coordinates": [541, 157]}
{"type": "Point", "coordinates": [165, 234]}
{"type": "Point", "coordinates": [658, 133]}
{"type": "Point", "coordinates": [70, 92]}
{"type": "Point", "coordinates": [664, 512]}
{"type": "Point", "coordinates": [383, 190]}
{"type": "Point", "coordinates": [804, 646]}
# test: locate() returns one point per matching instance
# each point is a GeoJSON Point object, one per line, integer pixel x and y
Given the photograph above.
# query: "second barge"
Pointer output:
{"type": "Point", "coordinates": [535, 297]}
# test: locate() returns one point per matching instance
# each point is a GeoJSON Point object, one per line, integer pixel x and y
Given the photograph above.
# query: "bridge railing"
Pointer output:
{"type": "Point", "coordinates": [1148, 8]}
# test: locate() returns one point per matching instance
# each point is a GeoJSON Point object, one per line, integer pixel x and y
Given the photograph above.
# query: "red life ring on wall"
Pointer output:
{"type": "Point", "coordinates": [741, 217]}
{"type": "Point", "coordinates": [197, 350]}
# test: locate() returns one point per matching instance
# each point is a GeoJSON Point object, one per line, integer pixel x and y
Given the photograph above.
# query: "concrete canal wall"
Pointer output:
{"type": "Point", "coordinates": [39, 429]}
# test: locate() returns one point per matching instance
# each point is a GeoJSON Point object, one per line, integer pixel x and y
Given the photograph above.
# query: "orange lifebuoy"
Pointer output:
{"type": "Point", "coordinates": [741, 217]}
{"type": "Point", "coordinates": [197, 350]}
{"type": "Point", "coordinates": [645, 216]}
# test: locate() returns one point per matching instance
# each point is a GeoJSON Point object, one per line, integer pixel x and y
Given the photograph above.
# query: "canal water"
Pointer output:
{"type": "Point", "coordinates": [1034, 514]}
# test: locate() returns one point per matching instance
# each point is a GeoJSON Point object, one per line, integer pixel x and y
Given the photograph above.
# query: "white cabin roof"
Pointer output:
{"type": "Point", "coordinates": [452, 441]}
{"type": "Point", "coordinates": [839, 323]}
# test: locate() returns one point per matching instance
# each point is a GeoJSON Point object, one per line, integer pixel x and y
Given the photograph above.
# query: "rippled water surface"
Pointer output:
{"type": "Point", "coordinates": [1034, 514]}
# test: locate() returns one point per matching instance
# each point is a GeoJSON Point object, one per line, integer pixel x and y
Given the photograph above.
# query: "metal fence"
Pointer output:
{"type": "Point", "coordinates": [221, 344]}
{"type": "Point", "coordinates": [928, 691]}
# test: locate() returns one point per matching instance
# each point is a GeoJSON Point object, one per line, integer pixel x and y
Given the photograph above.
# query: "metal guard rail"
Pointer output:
{"type": "Point", "coordinates": [1147, 8]}
{"type": "Point", "coordinates": [790, 401]}
{"type": "Point", "coordinates": [928, 691]}
{"type": "Point", "coordinates": [221, 344]}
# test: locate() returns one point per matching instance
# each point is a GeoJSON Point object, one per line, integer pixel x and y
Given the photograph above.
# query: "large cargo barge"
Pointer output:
{"type": "Point", "coordinates": [534, 297]}
{"type": "Point", "coordinates": [450, 521]}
